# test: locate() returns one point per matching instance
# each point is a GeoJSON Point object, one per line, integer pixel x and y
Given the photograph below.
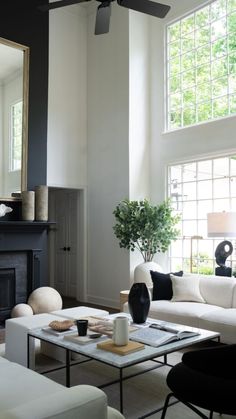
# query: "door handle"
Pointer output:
{"type": "Point", "coordinates": [63, 248]}
{"type": "Point", "coordinates": [68, 249]}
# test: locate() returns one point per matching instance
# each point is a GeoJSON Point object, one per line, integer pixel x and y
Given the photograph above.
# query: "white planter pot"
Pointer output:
{"type": "Point", "coordinates": [142, 272]}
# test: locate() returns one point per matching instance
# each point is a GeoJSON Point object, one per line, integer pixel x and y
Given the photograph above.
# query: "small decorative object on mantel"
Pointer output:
{"type": "Point", "coordinates": [4, 209]}
{"type": "Point", "coordinates": [139, 302]}
{"type": "Point", "coordinates": [41, 203]}
{"type": "Point", "coordinates": [27, 205]}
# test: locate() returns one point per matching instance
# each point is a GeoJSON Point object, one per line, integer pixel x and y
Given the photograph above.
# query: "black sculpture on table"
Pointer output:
{"type": "Point", "coordinates": [223, 250]}
{"type": "Point", "coordinates": [139, 302]}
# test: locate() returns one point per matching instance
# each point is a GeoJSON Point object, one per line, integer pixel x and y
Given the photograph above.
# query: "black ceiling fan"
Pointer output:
{"type": "Point", "coordinates": [104, 10]}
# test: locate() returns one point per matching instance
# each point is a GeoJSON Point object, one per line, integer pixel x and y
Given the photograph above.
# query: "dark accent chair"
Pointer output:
{"type": "Point", "coordinates": [205, 378]}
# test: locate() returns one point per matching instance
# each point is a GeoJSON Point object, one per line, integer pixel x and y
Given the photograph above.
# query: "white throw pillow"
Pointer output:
{"type": "Point", "coordinates": [186, 288]}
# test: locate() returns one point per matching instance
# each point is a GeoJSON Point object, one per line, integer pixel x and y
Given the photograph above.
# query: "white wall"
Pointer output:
{"type": "Point", "coordinates": [139, 110]}
{"type": "Point", "coordinates": [139, 114]}
{"type": "Point", "coordinates": [108, 155]}
{"type": "Point", "coordinates": [183, 144]}
{"type": "Point", "coordinates": [67, 102]}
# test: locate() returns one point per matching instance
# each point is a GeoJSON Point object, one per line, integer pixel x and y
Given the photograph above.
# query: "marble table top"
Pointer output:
{"type": "Point", "coordinates": [121, 361]}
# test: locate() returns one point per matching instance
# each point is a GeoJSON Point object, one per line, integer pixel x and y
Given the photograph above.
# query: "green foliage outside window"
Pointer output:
{"type": "Point", "coordinates": [202, 65]}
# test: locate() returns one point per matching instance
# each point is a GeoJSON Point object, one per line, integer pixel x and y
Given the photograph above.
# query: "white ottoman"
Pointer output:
{"type": "Point", "coordinates": [80, 311]}
{"type": "Point", "coordinates": [16, 336]}
{"type": "Point", "coordinates": [17, 328]}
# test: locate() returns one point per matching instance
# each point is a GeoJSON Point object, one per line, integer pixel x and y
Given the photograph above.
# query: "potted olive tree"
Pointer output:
{"type": "Point", "coordinates": [147, 228]}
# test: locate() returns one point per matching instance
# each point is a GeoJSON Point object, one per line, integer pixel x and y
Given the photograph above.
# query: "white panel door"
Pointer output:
{"type": "Point", "coordinates": [66, 243]}
{"type": "Point", "coordinates": [72, 240]}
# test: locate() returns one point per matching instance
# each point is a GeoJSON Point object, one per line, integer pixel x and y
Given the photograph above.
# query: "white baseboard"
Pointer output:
{"type": "Point", "coordinates": [107, 302]}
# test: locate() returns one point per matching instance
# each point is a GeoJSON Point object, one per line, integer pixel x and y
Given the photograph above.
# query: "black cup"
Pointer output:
{"type": "Point", "coordinates": [82, 326]}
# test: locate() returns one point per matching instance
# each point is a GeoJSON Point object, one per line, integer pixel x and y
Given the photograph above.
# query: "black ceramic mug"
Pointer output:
{"type": "Point", "coordinates": [82, 326]}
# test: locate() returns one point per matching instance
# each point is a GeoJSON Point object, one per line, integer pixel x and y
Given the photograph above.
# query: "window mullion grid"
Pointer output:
{"type": "Point", "coordinates": [230, 206]}
{"type": "Point", "coordinates": [181, 75]}
{"type": "Point", "coordinates": [168, 104]}
{"type": "Point", "coordinates": [213, 199]}
{"type": "Point", "coordinates": [230, 183]}
{"type": "Point", "coordinates": [182, 221]}
{"type": "Point", "coordinates": [227, 51]}
{"type": "Point", "coordinates": [197, 219]}
{"type": "Point", "coordinates": [11, 145]}
{"type": "Point", "coordinates": [195, 67]}
{"type": "Point", "coordinates": [210, 41]}
{"type": "Point", "coordinates": [213, 209]}
{"type": "Point", "coordinates": [167, 72]}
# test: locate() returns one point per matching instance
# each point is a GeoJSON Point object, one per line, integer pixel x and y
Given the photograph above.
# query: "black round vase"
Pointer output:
{"type": "Point", "coordinates": [139, 302]}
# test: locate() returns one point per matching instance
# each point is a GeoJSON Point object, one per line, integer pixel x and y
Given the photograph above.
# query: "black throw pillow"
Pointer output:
{"type": "Point", "coordinates": [162, 285]}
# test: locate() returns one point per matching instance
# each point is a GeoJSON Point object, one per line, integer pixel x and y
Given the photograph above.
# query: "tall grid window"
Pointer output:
{"type": "Point", "coordinates": [15, 136]}
{"type": "Point", "coordinates": [195, 189]}
{"type": "Point", "coordinates": [201, 65]}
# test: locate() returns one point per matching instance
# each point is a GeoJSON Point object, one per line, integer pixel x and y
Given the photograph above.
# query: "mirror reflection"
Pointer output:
{"type": "Point", "coordinates": [13, 117]}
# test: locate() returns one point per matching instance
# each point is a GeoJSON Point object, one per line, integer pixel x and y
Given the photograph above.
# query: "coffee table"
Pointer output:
{"type": "Point", "coordinates": [149, 353]}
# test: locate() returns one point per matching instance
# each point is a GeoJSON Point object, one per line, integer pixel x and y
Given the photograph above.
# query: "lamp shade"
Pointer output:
{"type": "Point", "coordinates": [221, 224]}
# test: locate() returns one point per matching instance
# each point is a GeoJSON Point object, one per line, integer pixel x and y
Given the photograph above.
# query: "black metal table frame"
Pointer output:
{"type": "Point", "coordinates": [118, 380]}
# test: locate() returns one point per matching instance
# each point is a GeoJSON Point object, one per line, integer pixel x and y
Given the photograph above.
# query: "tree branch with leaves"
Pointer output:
{"type": "Point", "coordinates": [145, 227]}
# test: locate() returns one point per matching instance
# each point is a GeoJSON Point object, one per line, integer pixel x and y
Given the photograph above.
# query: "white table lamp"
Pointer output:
{"type": "Point", "coordinates": [222, 224]}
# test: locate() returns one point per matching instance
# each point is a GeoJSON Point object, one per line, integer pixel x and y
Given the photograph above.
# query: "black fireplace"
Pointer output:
{"type": "Point", "coordinates": [19, 275]}
{"type": "Point", "coordinates": [7, 290]}
{"type": "Point", "coordinates": [23, 262]}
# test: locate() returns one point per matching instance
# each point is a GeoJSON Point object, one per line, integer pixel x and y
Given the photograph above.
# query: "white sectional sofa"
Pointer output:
{"type": "Point", "coordinates": [25, 394]}
{"type": "Point", "coordinates": [218, 313]}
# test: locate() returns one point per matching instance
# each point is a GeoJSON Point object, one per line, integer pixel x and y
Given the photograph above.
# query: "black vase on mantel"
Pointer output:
{"type": "Point", "coordinates": [139, 302]}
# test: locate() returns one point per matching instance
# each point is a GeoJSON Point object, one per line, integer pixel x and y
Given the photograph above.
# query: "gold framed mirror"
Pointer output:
{"type": "Point", "coordinates": [14, 92]}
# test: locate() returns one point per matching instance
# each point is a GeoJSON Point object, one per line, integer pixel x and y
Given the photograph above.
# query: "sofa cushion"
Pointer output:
{"type": "Point", "coordinates": [222, 321]}
{"type": "Point", "coordinates": [186, 289]}
{"type": "Point", "coordinates": [82, 402]}
{"type": "Point", "coordinates": [18, 385]}
{"type": "Point", "coordinates": [234, 296]}
{"type": "Point", "coordinates": [217, 290]}
{"type": "Point", "coordinates": [180, 312]}
{"type": "Point", "coordinates": [162, 285]}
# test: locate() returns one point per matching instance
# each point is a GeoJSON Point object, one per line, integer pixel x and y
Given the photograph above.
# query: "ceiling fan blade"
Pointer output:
{"type": "Point", "coordinates": [103, 18]}
{"type": "Point", "coordinates": [146, 6]}
{"type": "Point", "coordinates": [60, 3]}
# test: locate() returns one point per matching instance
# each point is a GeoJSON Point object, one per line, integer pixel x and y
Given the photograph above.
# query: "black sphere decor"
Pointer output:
{"type": "Point", "coordinates": [139, 302]}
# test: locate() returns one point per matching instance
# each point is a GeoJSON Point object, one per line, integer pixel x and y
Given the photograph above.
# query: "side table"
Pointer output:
{"type": "Point", "coordinates": [123, 298]}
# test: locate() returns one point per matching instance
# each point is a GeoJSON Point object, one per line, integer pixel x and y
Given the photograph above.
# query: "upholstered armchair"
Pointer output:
{"type": "Point", "coordinates": [205, 378]}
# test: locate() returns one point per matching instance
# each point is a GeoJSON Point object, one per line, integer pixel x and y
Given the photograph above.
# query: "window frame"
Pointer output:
{"type": "Point", "coordinates": [231, 261]}
{"type": "Point", "coordinates": [12, 167]}
{"type": "Point", "coordinates": [167, 105]}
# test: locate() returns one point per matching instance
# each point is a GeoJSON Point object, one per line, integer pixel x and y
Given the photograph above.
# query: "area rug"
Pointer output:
{"type": "Point", "coordinates": [142, 394]}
